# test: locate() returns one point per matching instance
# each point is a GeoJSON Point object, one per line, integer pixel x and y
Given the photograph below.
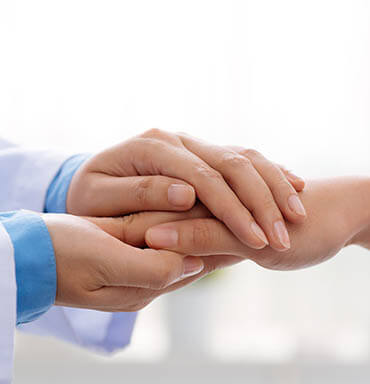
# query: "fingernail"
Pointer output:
{"type": "Point", "coordinates": [180, 195]}
{"type": "Point", "coordinates": [192, 266]}
{"type": "Point", "coordinates": [162, 237]}
{"type": "Point", "coordinates": [296, 205]}
{"type": "Point", "coordinates": [259, 233]}
{"type": "Point", "coordinates": [282, 234]}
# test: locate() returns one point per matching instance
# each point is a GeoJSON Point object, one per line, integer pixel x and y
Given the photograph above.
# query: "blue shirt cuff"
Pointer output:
{"type": "Point", "coordinates": [34, 263]}
{"type": "Point", "coordinates": [56, 196]}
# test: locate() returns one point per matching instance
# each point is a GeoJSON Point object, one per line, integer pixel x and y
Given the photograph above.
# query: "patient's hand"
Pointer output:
{"type": "Point", "coordinates": [162, 171]}
{"type": "Point", "coordinates": [338, 214]}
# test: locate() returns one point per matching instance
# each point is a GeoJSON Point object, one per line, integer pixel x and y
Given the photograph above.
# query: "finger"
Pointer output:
{"type": "Point", "coordinates": [210, 188]}
{"type": "Point", "coordinates": [297, 182]}
{"type": "Point", "coordinates": [211, 264]}
{"type": "Point", "coordinates": [203, 237]}
{"type": "Point", "coordinates": [115, 195]}
{"type": "Point", "coordinates": [131, 229]}
{"type": "Point", "coordinates": [197, 237]}
{"type": "Point", "coordinates": [250, 187]}
{"type": "Point", "coordinates": [284, 193]}
{"type": "Point", "coordinates": [130, 299]}
{"type": "Point", "coordinates": [145, 268]}
{"type": "Point", "coordinates": [121, 299]}
{"type": "Point", "coordinates": [116, 299]}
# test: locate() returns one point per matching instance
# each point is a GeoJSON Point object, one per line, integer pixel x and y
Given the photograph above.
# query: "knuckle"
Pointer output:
{"type": "Point", "coordinates": [128, 230]}
{"type": "Point", "coordinates": [127, 221]}
{"type": "Point", "coordinates": [161, 135]}
{"type": "Point", "coordinates": [207, 172]}
{"type": "Point", "coordinates": [147, 145]}
{"type": "Point", "coordinates": [143, 189]}
{"type": "Point", "coordinates": [233, 160]}
{"type": "Point", "coordinates": [200, 235]}
{"type": "Point", "coordinates": [250, 153]}
{"type": "Point", "coordinates": [154, 132]}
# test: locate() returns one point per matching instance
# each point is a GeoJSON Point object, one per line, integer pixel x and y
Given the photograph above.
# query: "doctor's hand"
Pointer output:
{"type": "Point", "coordinates": [338, 215]}
{"type": "Point", "coordinates": [99, 264]}
{"type": "Point", "coordinates": [163, 171]}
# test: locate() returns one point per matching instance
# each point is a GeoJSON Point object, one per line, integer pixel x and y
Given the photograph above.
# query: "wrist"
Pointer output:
{"type": "Point", "coordinates": [56, 199]}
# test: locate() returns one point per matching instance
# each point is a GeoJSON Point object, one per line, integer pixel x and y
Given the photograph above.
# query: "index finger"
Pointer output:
{"type": "Point", "coordinates": [210, 187]}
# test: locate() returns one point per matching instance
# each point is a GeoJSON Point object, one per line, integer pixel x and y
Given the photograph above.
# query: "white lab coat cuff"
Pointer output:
{"type": "Point", "coordinates": [28, 175]}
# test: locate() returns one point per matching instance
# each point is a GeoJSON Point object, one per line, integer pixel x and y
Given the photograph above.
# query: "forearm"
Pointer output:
{"type": "Point", "coordinates": [362, 238]}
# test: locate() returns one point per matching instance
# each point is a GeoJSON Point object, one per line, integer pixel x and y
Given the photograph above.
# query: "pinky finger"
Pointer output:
{"type": "Point", "coordinates": [297, 182]}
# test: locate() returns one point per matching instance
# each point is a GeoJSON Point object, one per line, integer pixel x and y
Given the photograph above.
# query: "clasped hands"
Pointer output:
{"type": "Point", "coordinates": [162, 210]}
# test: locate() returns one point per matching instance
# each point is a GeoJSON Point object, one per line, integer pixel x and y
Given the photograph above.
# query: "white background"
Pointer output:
{"type": "Point", "coordinates": [289, 78]}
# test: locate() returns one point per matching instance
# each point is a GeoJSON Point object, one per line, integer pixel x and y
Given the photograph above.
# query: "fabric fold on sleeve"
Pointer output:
{"type": "Point", "coordinates": [101, 332]}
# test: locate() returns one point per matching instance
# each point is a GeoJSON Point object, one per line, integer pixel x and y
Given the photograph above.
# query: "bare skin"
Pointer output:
{"type": "Point", "coordinates": [101, 265]}
{"type": "Point", "coordinates": [155, 177]}
{"type": "Point", "coordinates": [162, 171]}
{"type": "Point", "coordinates": [338, 214]}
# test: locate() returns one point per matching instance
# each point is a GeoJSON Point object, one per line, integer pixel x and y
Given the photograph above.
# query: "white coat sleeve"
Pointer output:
{"type": "Point", "coordinates": [25, 177]}
{"type": "Point", "coordinates": [8, 293]}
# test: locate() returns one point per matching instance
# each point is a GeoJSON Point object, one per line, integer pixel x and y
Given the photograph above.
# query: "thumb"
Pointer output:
{"type": "Point", "coordinates": [131, 229]}
{"type": "Point", "coordinates": [148, 268]}
{"type": "Point", "coordinates": [112, 195]}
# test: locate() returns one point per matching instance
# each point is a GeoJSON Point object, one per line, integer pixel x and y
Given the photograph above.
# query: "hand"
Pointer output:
{"type": "Point", "coordinates": [96, 270]}
{"type": "Point", "coordinates": [338, 215]}
{"type": "Point", "coordinates": [163, 171]}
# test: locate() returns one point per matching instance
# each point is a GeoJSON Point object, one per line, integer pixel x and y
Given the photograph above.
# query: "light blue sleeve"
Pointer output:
{"type": "Point", "coordinates": [34, 263]}
{"type": "Point", "coordinates": [102, 332]}
{"type": "Point", "coordinates": [26, 177]}
{"type": "Point", "coordinates": [56, 196]}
